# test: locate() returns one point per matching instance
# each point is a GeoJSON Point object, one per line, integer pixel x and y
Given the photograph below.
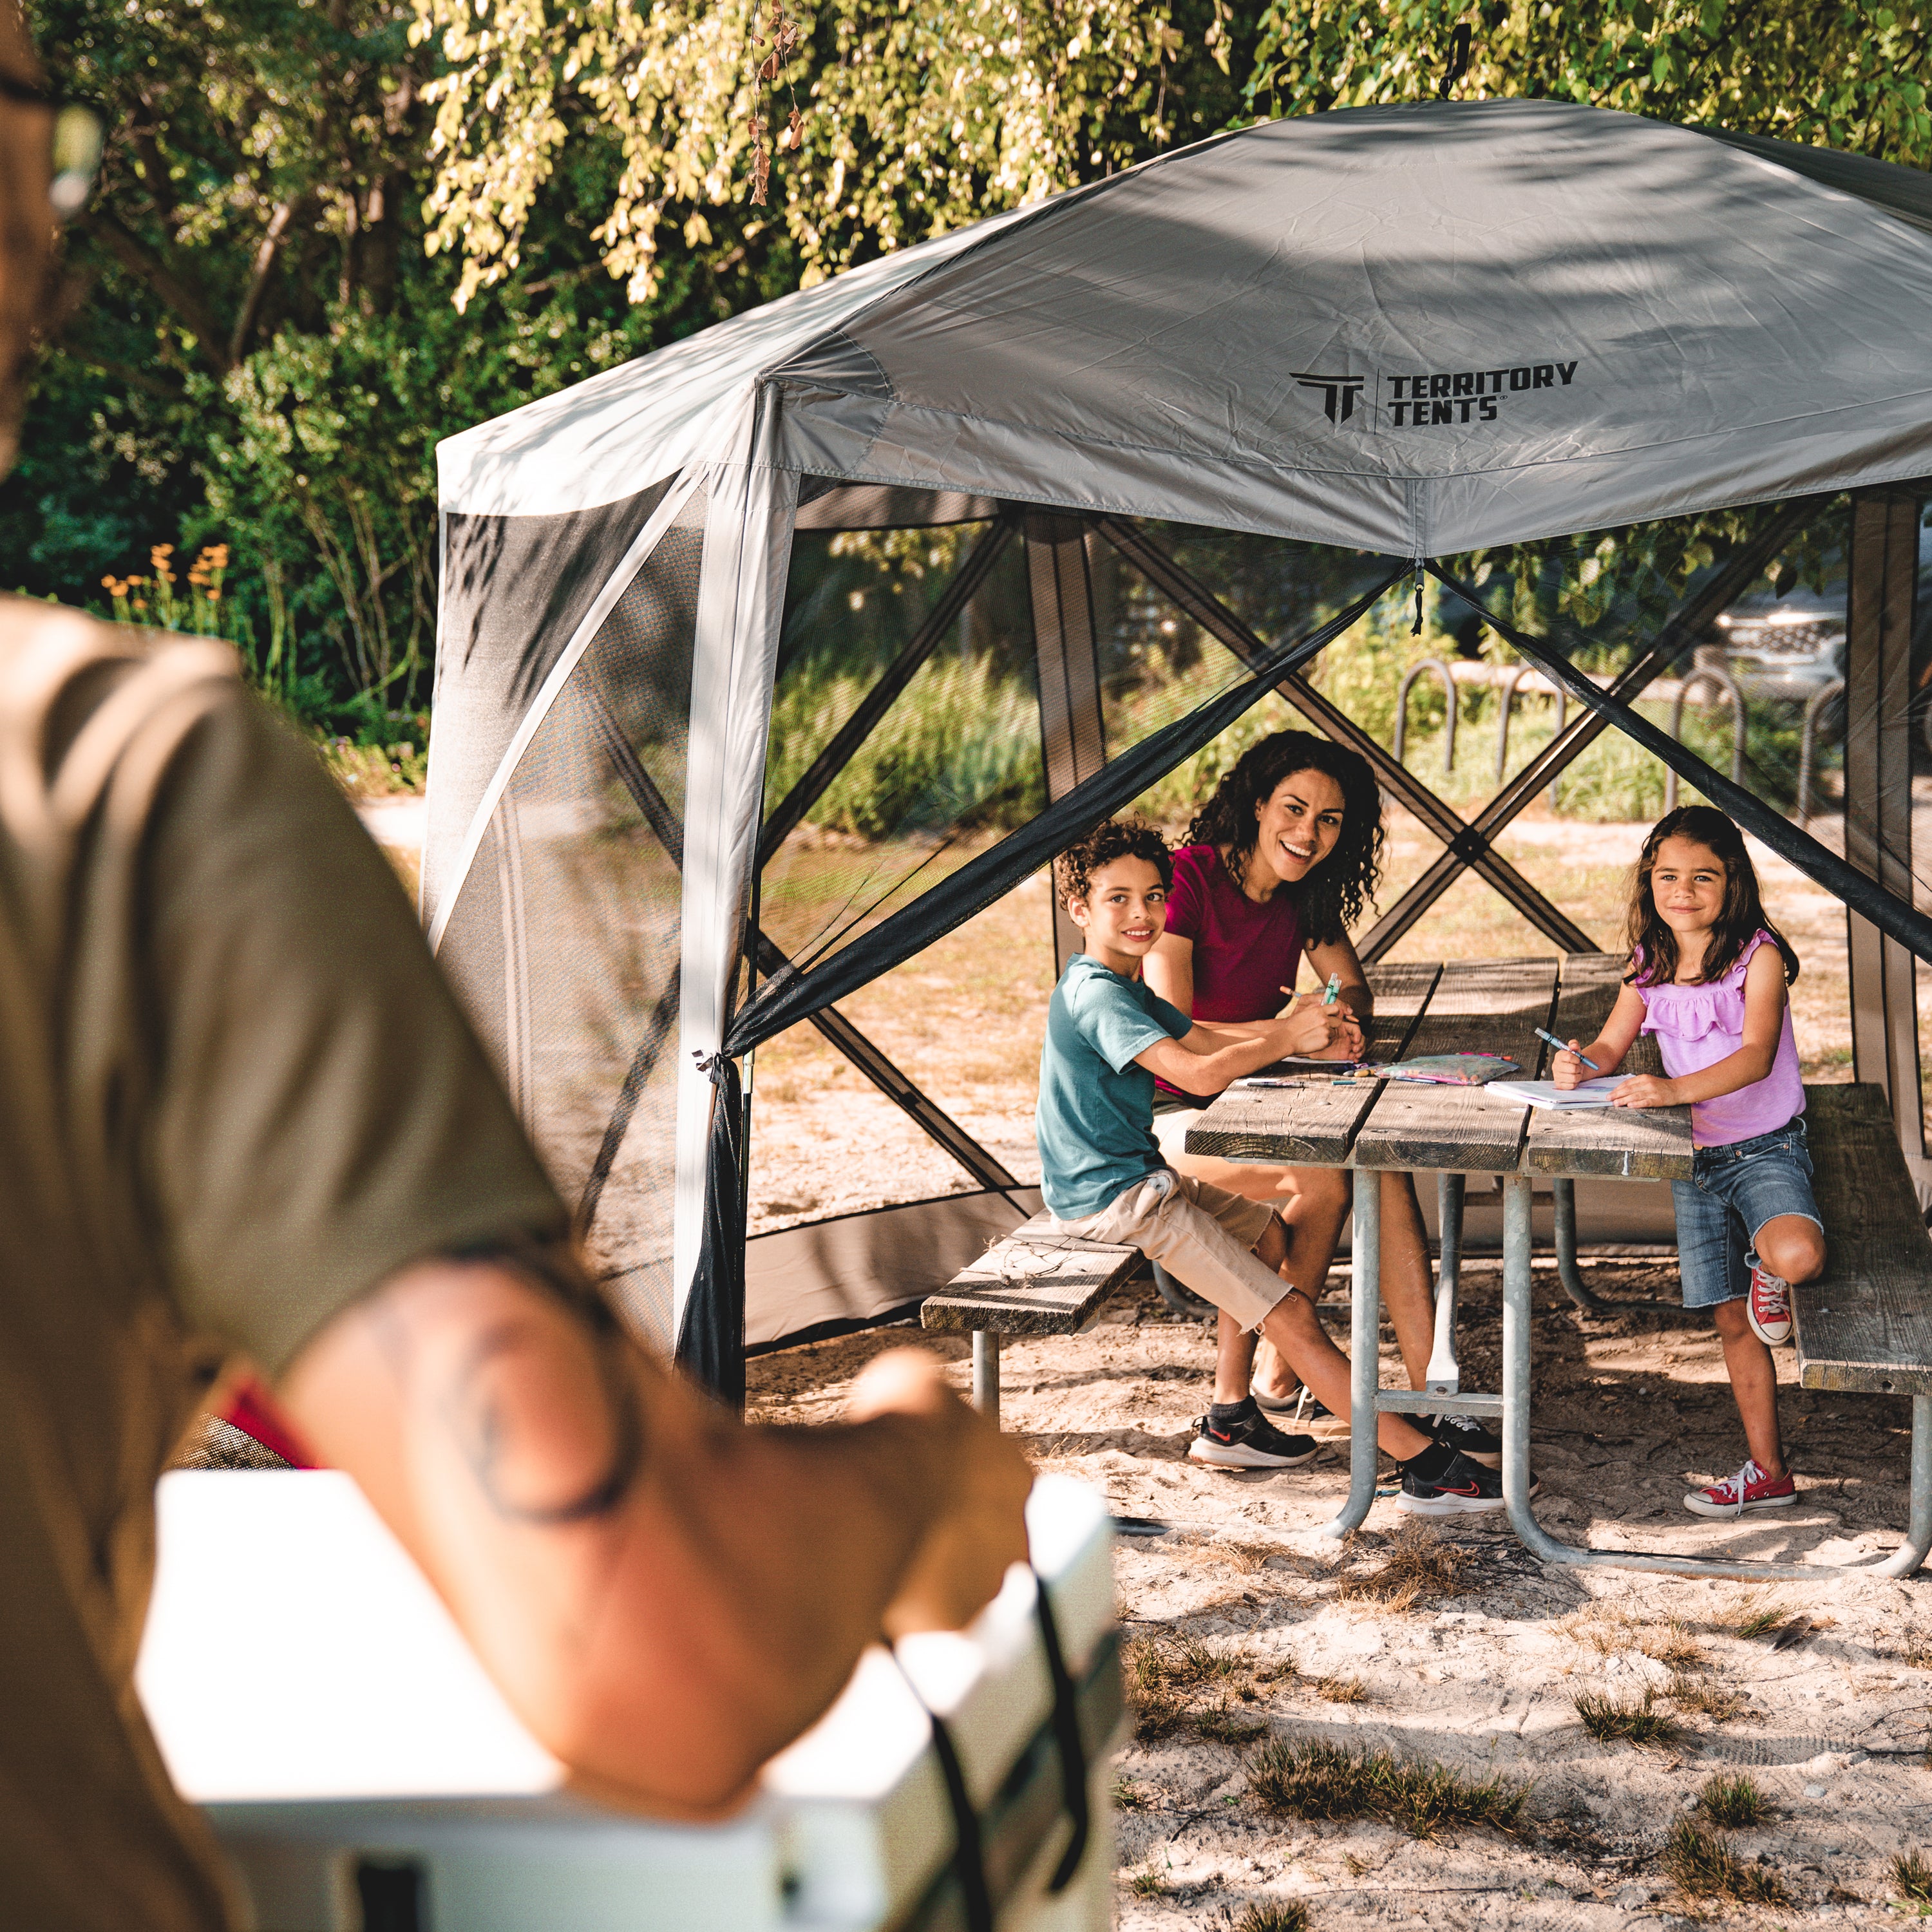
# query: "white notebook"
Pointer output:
{"type": "Point", "coordinates": [1547, 1094]}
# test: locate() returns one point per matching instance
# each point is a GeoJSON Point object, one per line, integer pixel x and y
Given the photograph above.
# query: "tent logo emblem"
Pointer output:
{"type": "Point", "coordinates": [1338, 393]}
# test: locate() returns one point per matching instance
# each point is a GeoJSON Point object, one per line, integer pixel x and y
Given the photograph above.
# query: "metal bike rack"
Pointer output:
{"type": "Point", "coordinates": [1807, 745]}
{"type": "Point", "coordinates": [1508, 689]}
{"type": "Point", "coordinates": [1712, 674]}
{"type": "Point", "coordinates": [1415, 670]}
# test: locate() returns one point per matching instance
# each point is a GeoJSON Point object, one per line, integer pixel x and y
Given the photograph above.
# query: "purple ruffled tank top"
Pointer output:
{"type": "Point", "coordinates": [1697, 1026]}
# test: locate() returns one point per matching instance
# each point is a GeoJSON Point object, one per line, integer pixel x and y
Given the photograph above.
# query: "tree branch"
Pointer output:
{"type": "Point", "coordinates": [258, 280]}
{"type": "Point", "coordinates": [141, 262]}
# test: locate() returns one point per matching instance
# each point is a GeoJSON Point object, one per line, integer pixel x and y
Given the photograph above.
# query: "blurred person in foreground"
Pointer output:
{"type": "Point", "coordinates": [245, 1121]}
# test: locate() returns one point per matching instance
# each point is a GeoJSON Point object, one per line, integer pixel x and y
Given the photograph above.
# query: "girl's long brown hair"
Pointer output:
{"type": "Point", "coordinates": [1653, 944]}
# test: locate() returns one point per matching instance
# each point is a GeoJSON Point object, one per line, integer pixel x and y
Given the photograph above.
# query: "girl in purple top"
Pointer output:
{"type": "Point", "coordinates": [1279, 863]}
{"type": "Point", "coordinates": [1708, 974]}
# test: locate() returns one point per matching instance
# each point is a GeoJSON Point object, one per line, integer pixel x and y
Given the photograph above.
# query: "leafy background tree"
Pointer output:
{"type": "Point", "coordinates": [328, 234]}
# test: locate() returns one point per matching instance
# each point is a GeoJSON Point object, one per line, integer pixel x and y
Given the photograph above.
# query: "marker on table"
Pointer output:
{"type": "Point", "coordinates": [1563, 1046]}
{"type": "Point", "coordinates": [1334, 988]}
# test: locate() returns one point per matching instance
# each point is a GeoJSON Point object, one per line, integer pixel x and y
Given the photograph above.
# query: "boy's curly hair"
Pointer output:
{"type": "Point", "coordinates": [1116, 838]}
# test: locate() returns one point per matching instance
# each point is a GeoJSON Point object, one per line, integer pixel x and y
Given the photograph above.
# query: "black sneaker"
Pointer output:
{"type": "Point", "coordinates": [1468, 1436]}
{"type": "Point", "coordinates": [1462, 1489]}
{"type": "Point", "coordinates": [1250, 1441]}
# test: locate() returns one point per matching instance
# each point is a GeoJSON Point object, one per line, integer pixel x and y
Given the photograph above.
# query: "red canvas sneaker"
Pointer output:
{"type": "Point", "coordinates": [1750, 1489]}
{"type": "Point", "coordinates": [1768, 1304]}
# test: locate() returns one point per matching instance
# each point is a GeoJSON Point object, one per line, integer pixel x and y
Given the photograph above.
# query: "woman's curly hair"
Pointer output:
{"type": "Point", "coordinates": [1330, 898]}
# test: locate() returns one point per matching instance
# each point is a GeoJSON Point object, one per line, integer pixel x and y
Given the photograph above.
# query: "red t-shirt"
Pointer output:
{"type": "Point", "coordinates": [1244, 954]}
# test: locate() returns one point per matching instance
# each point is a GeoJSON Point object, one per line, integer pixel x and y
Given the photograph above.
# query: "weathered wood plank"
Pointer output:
{"type": "Point", "coordinates": [1036, 1281]}
{"type": "Point", "coordinates": [1652, 1145]}
{"type": "Point", "coordinates": [1866, 1323]}
{"type": "Point", "coordinates": [1479, 1006]}
{"type": "Point", "coordinates": [1314, 1126]}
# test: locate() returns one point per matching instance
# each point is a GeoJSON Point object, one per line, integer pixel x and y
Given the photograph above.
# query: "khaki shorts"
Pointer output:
{"type": "Point", "coordinates": [1204, 1237]}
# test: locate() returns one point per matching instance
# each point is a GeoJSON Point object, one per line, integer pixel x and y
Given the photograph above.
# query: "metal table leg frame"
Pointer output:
{"type": "Point", "coordinates": [1365, 1295]}
{"type": "Point", "coordinates": [1444, 1377]}
{"type": "Point", "coordinates": [1563, 1195]}
{"type": "Point", "coordinates": [986, 1373]}
{"type": "Point", "coordinates": [1547, 1549]}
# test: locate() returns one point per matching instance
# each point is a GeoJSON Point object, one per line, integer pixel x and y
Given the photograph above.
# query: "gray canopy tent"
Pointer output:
{"type": "Point", "coordinates": [1357, 346]}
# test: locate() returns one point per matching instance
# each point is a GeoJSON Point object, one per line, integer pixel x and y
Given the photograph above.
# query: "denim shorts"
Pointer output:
{"type": "Point", "coordinates": [1733, 1191]}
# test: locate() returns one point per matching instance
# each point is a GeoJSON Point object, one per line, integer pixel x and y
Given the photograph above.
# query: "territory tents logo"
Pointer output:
{"type": "Point", "coordinates": [1443, 398]}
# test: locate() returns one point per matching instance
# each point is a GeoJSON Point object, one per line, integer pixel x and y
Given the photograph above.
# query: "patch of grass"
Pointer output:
{"type": "Point", "coordinates": [1148, 1883]}
{"type": "Point", "coordinates": [1308, 1779]}
{"type": "Point", "coordinates": [1675, 1646]}
{"type": "Point", "coordinates": [1290, 1915]}
{"type": "Point", "coordinates": [1702, 1866]}
{"type": "Point", "coordinates": [1913, 1875]}
{"type": "Point", "coordinates": [1228, 1730]}
{"type": "Point", "coordinates": [1760, 1616]}
{"type": "Point", "coordinates": [1341, 1689]}
{"type": "Point", "coordinates": [1638, 1720]}
{"type": "Point", "coordinates": [1712, 1700]}
{"type": "Point", "coordinates": [1917, 1652]}
{"type": "Point", "coordinates": [1419, 1567]}
{"type": "Point", "coordinates": [1171, 1678]}
{"type": "Point", "coordinates": [1602, 1629]}
{"type": "Point", "coordinates": [1736, 1803]}
{"type": "Point", "coordinates": [1129, 1795]}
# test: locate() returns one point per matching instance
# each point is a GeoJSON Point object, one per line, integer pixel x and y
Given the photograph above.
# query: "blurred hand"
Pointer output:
{"type": "Point", "coordinates": [981, 1528]}
{"type": "Point", "coordinates": [1646, 1090]}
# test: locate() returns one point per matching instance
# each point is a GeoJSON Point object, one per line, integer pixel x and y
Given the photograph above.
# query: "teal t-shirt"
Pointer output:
{"type": "Point", "coordinates": [1095, 1124]}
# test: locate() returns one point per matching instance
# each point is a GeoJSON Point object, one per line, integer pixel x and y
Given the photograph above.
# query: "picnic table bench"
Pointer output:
{"type": "Point", "coordinates": [1866, 1323]}
{"type": "Point", "coordinates": [1036, 1281]}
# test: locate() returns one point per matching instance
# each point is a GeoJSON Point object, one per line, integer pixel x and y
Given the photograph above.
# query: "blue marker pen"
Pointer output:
{"type": "Point", "coordinates": [1563, 1046]}
{"type": "Point", "coordinates": [1334, 988]}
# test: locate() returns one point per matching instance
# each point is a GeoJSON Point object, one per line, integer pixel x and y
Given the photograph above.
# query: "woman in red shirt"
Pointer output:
{"type": "Point", "coordinates": [1278, 865]}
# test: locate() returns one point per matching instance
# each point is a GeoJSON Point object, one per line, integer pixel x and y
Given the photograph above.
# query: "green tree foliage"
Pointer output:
{"type": "Point", "coordinates": [258, 350]}
{"type": "Point", "coordinates": [1838, 73]}
{"type": "Point", "coordinates": [330, 232]}
{"type": "Point", "coordinates": [916, 117]}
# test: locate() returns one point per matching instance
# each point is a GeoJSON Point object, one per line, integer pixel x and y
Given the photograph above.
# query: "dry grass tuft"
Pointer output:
{"type": "Point", "coordinates": [1917, 1652]}
{"type": "Point", "coordinates": [1419, 1567]}
{"type": "Point", "coordinates": [1130, 1796]}
{"type": "Point", "coordinates": [1712, 1700]}
{"type": "Point", "coordinates": [1913, 1877]}
{"type": "Point", "coordinates": [1701, 1867]}
{"type": "Point", "coordinates": [1736, 1803]}
{"type": "Point", "coordinates": [1290, 1915]}
{"type": "Point", "coordinates": [1148, 1883]}
{"type": "Point", "coordinates": [1341, 1689]}
{"type": "Point", "coordinates": [1600, 1628]}
{"type": "Point", "coordinates": [1607, 1719]}
{"type": "Point", "coordinates": [1674, 1646]}
{"type": "Point", "coordinates": [1313, 1780]}
{"type": "Point", "coordinates": [1761, 1615]}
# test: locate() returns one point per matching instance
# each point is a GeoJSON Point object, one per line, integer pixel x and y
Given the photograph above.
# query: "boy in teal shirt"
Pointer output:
{"type": "Point", "coordinates": [1108, 1036]}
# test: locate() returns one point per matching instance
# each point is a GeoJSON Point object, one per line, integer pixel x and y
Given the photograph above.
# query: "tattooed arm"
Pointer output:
{"type": "Point", "coordinates": [665, 1596]}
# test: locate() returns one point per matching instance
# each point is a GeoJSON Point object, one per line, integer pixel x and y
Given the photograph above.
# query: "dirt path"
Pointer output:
{"type": "Point", "coordinates": [1481, 1672]}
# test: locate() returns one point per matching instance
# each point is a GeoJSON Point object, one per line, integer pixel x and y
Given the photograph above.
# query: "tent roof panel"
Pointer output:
{"type": "Point", "coordinates": [1411, 328]}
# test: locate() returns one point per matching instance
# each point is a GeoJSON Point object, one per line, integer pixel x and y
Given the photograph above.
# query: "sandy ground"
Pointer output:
{"type": "Point", "coordinates": [1483, 1675]}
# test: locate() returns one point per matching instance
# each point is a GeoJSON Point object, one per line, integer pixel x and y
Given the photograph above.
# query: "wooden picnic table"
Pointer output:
{"type": "Point", "coordinates": [1468, 1006]}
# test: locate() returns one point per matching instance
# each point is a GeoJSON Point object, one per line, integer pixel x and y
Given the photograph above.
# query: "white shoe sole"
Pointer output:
{"type": "Point", "coordinates": [1698, 1506]}
{"type": "Point", "coordinates": [1779, 1338]}
{"type": "Point", "coordinates": [1447, 1505]}
{"type": "Point", "coordinates": [1239, 1456]}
